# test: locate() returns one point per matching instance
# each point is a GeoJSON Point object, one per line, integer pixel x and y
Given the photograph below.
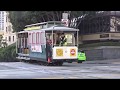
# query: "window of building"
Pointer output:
{"type": "Point", "coordinates": [6, 29]}
{"type": "Point", "coordinates": [9, 38]}
{"type": "Point", "coordinates": [2, 28]}
{"type": "Point", "coordinates": [9, 28]}
{"type": "Point", "coordinates": [13, 38]}
{"type": "Point", "coordinates": [6, 19]}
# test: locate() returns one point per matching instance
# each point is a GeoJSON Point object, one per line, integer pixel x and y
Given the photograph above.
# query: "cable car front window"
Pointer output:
{"type": "Point", "coordinates": [65, 39]}
{"type": "Point", "coordinates": [70, 39]}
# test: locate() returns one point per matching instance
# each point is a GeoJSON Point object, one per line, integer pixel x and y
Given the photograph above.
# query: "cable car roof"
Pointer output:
{"type": "Point", "coordinates": [59, 28]}
{"type": "Point", "coordinates": [23, 32]}
{"type": "Point", "coordinates": [54, 28]}
{"type": "Point", "coordinates": [37, 24]}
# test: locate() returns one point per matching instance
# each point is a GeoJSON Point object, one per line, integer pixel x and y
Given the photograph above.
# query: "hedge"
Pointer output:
{"type": "Point", "coordinates": [8, 54]}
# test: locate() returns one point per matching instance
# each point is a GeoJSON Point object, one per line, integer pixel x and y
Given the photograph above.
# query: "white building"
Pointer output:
{"type": "Point", "coordinates": [2, 22]}
{"type": "Point", "coordinates": [6, 28]}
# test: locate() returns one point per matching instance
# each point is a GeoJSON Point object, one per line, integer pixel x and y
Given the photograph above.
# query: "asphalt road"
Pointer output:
{"type": "Point", "coordinates": [86, 70]}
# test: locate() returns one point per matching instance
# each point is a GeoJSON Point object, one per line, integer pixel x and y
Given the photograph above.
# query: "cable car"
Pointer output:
{"type": "Point", "coordinates": [42, 42]}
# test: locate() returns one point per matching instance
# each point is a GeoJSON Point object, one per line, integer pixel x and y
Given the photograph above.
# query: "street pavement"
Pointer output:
{"type": "Point", "coordinates": [99, 69]}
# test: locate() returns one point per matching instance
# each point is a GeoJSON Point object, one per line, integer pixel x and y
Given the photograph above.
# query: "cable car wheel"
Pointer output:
{"type": "Point", "coordinates": [58, 63]}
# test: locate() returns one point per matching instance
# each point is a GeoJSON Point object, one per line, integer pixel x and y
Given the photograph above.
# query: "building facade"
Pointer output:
{"type": "Point", "coordinates": [6, 27]}
{"type": "Point", "coordinates": [103, 26]}
{"type": "Point", "coordinates": [2, 22]}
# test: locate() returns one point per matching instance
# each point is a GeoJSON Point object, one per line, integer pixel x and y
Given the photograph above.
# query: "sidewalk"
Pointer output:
{"type": "Point", "coordinates": [110, 61]}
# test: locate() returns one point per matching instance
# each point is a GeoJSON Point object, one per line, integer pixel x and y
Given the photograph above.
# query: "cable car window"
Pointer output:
{"type": "Point", "coordinates": [50, 25]}
{"type": "Point", "coordinates": [69, 38]}
{"type": "Point", "coordinates": [19, 42]}
{"type": "Point", "coordinates": [44, 26]}
{"type": "Point", "coordinates": [60, 24]}
{"type": "Point", "coordinates": [22, 35]}
{"type": "Point", "coordinates": [47, 36]}
{"type": "Point", "coordinates": [37, 38]}
{"type": "Point", "coordinates": [26, 35]}
{"type": "Point", "coordinates": [19, 35]}
{"type": "Point", "coordinates": [22, 46]}
{"type": "Point", "coordinates": [26, 44]}
{"type": "Point", "coordinates": [42, 37]}
{"type": "Point", "coordinates": [33, 38]}
{"type": "Point", "coordinates": [30, 38]}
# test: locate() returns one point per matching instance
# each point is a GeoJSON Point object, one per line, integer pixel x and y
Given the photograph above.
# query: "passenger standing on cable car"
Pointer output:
{"type": "Point", "coordinates": [63, 40]}
{"type": "Point", "coordinates": [48, 46]}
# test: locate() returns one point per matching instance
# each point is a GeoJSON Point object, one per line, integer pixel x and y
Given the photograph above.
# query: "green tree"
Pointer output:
{"type": "Point", "coordinates": [1, 37]}
{"type": "Point", "coordinates": [21, 18]}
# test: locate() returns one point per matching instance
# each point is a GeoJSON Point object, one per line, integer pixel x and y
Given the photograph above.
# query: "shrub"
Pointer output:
{"type": "Point", "coordinates": [8, 54]}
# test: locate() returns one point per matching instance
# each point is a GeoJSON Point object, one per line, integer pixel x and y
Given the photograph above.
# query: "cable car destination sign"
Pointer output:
{"type": "Point", "coordinates": [33, 28]}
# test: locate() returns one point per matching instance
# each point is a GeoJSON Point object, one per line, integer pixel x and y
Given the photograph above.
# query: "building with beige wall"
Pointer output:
{"type": "Point", "coordinates": [8, 36]}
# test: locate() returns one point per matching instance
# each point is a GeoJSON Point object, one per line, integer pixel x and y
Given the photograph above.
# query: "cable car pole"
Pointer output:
{"type": "Point", "coordinates": [52, 37]}
{"type": "Point", "coordinates": [16, 42]}
{"type": "Point", "coordinates": [77, 38]}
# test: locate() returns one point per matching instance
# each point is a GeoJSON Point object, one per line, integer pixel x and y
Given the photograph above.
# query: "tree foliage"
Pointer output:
{"type": "Point", "coordinates": [8, 54]}
{"type": "Point", "coordinates": [21, 18]}
{"type": "Point", "coordinates": [1, 37]}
